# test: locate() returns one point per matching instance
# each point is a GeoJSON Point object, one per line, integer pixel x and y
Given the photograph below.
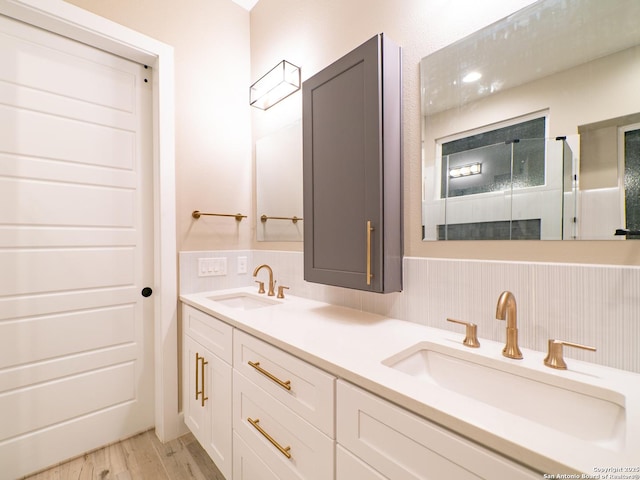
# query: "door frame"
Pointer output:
{"type": "Point", "coordinates": [73, 22]}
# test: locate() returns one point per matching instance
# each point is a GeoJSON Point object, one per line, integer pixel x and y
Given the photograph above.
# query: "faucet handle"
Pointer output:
{"type": "Point", "coordinates": [260, 286]}
{"type": "Point", "coordinates": [281, 291]}
{"type": "Point", "coordinates": [554, 357]}
{"type": "Point", "coordinates": [471, 333]}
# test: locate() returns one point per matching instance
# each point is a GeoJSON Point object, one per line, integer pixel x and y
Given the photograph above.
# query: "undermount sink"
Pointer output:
{"type": "Point", "coordinates": [582, 410]}
{"type": "Point", "coordinates": [243, 301]}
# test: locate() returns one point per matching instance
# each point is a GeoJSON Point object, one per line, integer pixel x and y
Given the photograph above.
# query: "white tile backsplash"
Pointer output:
{"type": "Point", "coordinates": [596, 305]}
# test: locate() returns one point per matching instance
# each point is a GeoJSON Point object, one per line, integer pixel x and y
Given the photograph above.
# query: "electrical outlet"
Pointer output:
{"type": "Point", "coordinates": [242, 264]}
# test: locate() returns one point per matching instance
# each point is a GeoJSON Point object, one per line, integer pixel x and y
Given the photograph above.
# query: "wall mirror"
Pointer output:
{"type": "Point", "coordinates": [531, 126]}
{"type": "Point", "coordinates": [279, 185]}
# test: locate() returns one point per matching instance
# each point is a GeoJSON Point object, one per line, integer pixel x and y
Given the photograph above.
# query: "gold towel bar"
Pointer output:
{"type": "Point", "coordinates": [294, 219]}
{"type": "Point", "coordinates": [238, 216]}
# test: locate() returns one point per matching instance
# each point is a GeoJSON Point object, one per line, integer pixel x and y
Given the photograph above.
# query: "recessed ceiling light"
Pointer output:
{"type": "Point", "coordinates": [472, 77]}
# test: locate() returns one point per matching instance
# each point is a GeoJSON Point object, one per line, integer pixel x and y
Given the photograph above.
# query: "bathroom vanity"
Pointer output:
{"type": "Point", "coordinates": [317, 391]}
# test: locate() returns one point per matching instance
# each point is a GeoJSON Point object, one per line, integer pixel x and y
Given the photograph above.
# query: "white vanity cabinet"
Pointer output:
{"type": "Point", "coordinates": [400, 445]}
{"type": "Point", "coordinates": [206, 384]}
{"type": "Point", "coordinates": [283, 412]}
{"type": "Point", "coordinates": [262, 413]}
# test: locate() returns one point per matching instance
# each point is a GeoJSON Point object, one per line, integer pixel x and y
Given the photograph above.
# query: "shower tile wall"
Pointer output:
{"type": "Point", "coordinates": [597, 305]}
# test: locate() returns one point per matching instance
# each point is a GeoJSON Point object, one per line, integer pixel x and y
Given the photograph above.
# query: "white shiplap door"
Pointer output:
{"type": "Point", "coordinates": [76, 248]}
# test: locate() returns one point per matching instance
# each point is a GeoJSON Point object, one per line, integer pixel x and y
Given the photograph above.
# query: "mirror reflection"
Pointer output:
{"type": "Point", "coordinates": [531, 126]}
{"type": "Point", "coordinates": [279, 185]}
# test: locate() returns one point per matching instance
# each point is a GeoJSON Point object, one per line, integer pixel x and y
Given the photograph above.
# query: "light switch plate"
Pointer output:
{"type": "Point", "coordinates": [210, 267]}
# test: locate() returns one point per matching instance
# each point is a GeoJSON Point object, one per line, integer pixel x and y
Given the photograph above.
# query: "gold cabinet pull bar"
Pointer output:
{"type": "Point", "coordinates": [283, 450]}
{"type": "Point", "coordinates": [286, 385]}
{"type": "Point", "coordinates": [238, 216]}
{"type": "Point", "coordinates": [197, 381]}
{"type": "Point", "coordinates": [369, 230]}
{"type": "Point", "coordinates": [201, 380]}
{"type": "Point", "coordinates": [204, 398]}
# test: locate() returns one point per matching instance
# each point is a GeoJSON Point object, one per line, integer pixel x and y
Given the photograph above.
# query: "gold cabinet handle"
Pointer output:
{"type": "Point", "coordinates": [554, 358]}
{"type": "Point", "coordinates": [203, 398]}
{"type": "Point", "coordinates": [198, 391]}
{"type": "Point", "coordinates": [369, 230]}
{"type": "Point", "coordinates": [197, 381]}
{"type": "Point", "coordinates": [286, 385]}
{"type": "Point", "coordinates": [471, 333]}
{"type": "Point", "coordinates": [283, 450]}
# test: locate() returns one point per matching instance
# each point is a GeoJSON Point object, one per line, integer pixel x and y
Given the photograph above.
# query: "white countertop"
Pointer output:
{"type": "Point", "coordinates": [352, 344]}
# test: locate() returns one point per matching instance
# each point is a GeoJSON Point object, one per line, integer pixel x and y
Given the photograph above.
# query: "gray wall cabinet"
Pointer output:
{"type": "Point", "coordinates": [352, 151]}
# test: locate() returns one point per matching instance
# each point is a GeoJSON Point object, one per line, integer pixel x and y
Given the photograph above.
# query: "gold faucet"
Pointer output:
{"type": "Point", "coordinates": [272, 284]}
{"type": "Point", "coordinates": [506, 309]}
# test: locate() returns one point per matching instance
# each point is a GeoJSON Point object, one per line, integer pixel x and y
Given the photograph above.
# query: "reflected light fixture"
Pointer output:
{"type": "Point", "coordinates": [277, 84]}
{"type": "Point", "coordinates": [465, 170]}
{"type": "Point", "coordinates": [472, 77]}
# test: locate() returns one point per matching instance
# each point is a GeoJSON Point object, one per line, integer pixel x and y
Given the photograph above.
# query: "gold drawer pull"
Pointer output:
{"type": "Point", "coordinates": [286, 385]}
{"type": "Point", "coordinates": [283, 450]}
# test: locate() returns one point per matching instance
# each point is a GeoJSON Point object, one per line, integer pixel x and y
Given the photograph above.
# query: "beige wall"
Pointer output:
{"type": "Point", "coordinates": [213, 132]}
{"type": "Point", "coordinates": [312, 34]}
{"type": "Point", "coordinates": [221, 49]}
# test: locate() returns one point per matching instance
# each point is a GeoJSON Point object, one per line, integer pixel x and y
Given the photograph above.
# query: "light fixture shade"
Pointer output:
{"type": "Point", "coordinates": [277, 84]}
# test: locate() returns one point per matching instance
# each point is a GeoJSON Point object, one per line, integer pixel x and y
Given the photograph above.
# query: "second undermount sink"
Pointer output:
{"type": "Point", "coordinates": [243, 301]}
{"type": "Point", "coordinates": [582, 410]}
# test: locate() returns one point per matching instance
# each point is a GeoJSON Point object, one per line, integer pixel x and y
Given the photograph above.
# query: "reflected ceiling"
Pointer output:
{"type": "Point", "coordinates": [552, 42]}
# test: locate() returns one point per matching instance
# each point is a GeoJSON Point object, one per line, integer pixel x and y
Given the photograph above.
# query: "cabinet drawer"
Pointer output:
{"type": "Point", "coordinates": [247, 465]}
{"type": "Point", "coordinates": [350, 467]}
{"type": "Point", "coordinates": [311, 391]}
{"type": "Point", "coordinates": [403, 446]}
{"type": "Point", "coordinates": [211, 333]}
{"type": "Point", "coordinates": [290, 446]}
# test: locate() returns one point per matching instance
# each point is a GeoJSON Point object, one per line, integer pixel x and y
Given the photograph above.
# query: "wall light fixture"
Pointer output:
{"type": "Point", "coordinates": [277, 84]}
{"type": "Point", "coordinates": [465, 170]}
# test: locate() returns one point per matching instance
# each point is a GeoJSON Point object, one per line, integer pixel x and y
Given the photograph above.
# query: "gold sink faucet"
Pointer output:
{"type": "Point", "coordinates": [272, 284]}
{"type": "Point", "coordinates": [507, 310]}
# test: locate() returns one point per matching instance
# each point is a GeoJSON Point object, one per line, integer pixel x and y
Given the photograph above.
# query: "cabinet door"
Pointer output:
{"type": "Point", "coordinates": [207, 402]}
{"type": "Point", "coordinates": [218, 391]}
{"type": "Point", "coordinates": [404, 446]}
{"type": "Point", "coordinates": [195, 415]}
{"type": "Point", "coordinates": [247, 465]}
{"type": "Point", "coordinates": [352, 172]}
{"type": "Point", "coordinates": [350, 467]}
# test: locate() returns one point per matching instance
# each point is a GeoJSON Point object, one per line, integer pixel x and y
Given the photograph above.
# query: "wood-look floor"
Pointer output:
{"type": "Point", "coordinates": [142, 457]}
